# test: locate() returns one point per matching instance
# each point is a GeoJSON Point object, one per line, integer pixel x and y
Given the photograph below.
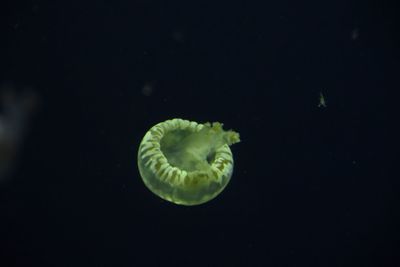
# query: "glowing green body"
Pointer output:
{"type": "Point", "coordinates": [185, 162]}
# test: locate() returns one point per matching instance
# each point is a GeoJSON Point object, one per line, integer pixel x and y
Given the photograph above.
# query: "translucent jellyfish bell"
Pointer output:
{"type": "Point", "coordinates": [185, 162]}
{"type": "Point", "coordinates": [17, 110]}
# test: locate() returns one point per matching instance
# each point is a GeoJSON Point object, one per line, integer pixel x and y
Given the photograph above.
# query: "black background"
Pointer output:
{"type": "Point", "coordinates": [311, 186]}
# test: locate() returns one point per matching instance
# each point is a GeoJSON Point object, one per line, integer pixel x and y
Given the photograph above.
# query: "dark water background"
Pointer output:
{"type": "Point", "coordinates": [311, 185]}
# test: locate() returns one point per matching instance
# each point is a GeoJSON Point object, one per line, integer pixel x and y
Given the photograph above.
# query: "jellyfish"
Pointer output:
{"type": "Point", "coordinates": [14, 121]}
{"type": "Point", "coordinates": [186, 162]}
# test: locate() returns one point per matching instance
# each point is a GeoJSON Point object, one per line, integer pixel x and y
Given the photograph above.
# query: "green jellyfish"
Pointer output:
{"type": "Point", "coordinates": [185, 162]}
